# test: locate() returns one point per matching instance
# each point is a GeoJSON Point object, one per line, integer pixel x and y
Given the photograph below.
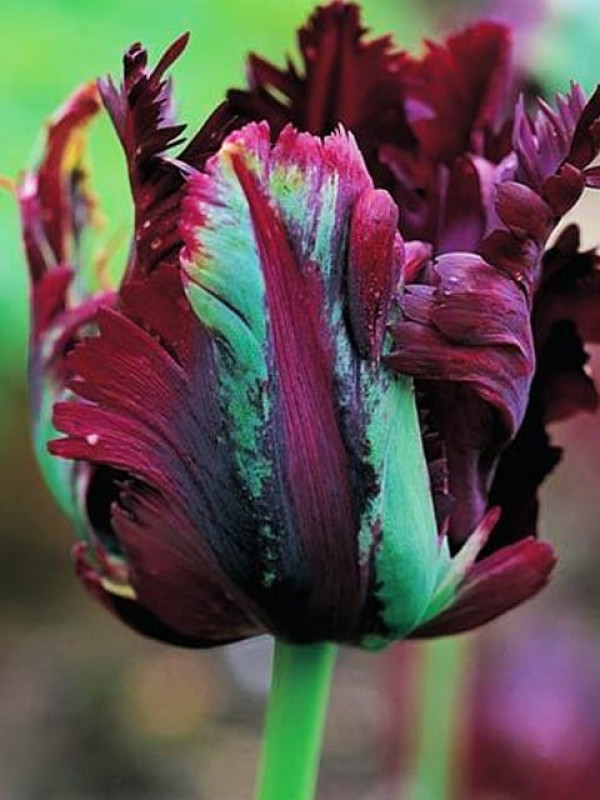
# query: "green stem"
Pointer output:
{"type": "Point", "coordinates": [300, 684]}
{"type": "Point", "coordinates": [442, 699]}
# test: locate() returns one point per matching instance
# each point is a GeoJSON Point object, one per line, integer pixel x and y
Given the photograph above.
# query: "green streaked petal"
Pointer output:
{"type": "Point", "coordinates": [400, 514]}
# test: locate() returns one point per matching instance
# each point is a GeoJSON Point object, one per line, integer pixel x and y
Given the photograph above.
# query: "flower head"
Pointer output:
{"type": "Point", "coordinates": [236, 433]}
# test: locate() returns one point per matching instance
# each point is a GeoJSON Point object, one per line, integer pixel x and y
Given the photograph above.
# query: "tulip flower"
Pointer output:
{"type": "Point", "coordinates": [233, 452]}
{"type": "Point", "coordinates": [292, 414]}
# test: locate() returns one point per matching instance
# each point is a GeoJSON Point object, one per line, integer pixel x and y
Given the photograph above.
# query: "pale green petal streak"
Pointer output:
{"type": "Point", "coordinates": [400, 515]}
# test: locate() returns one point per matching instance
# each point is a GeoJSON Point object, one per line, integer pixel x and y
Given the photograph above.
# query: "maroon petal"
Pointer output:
{"type": "Point", "coordinates": [128, 609]}
{"type": "Point", "coordinates": [344, 79]}
{"type": "Point", "coordinates": [465, 83]}
{"type": "Point", "coordinates": [142, 112]}
{"type": "Point", "coordinates": [493, 586]}
{"type": "Point", "coordinates": [54, 205]}
{"type": "Point", "coordinates": [374, 245]}
{"type": "Point", "coordinates": [163, 508]}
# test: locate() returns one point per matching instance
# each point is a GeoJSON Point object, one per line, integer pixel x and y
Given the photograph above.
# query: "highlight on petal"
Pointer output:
{"type": "Point", "coordinates": [375, 262]}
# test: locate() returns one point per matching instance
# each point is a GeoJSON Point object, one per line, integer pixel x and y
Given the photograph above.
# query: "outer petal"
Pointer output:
{"type": "Point", "coordinates": [167, 483]}
{"type": "Point", "coordinates": [322, 436]}
{"type": "Point", "coordinates": [55, 210]}
{"type": "Point", "coordinates": [493, 586]}
{"type": "Point", "coordinates": [142, 113]}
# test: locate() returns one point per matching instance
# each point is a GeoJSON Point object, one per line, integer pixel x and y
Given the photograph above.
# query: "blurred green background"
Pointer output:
{"type": "Point", "coordinates": [89, 711]}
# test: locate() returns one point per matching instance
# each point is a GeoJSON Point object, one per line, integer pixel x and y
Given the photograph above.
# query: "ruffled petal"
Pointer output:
{"type": "Point", "coordinates": [467, 318]}
{"type": "Point", "coordinates": [141, 109]}
{"type": "Point", "coordinates": [170, 489]}
{"type": "Point", "coordinates": [464, 83]}
{"type": "Point", "coordinates": [345, 79]}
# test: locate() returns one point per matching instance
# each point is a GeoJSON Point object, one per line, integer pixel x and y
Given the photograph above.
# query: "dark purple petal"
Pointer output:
{"type": "Point", "coordinates": [569, 289]}
{"type": "Point", "coordinates": [469, 325]}
{"type": "Point", "coordinates": [554, 148]}
{"type": "Point", "coordinates": [566, 313]}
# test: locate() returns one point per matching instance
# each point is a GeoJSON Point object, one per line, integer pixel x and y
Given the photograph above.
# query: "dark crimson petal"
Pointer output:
{"type": "Point", "coordinates": [128, 610]}
{"type": "Point", "coordinates": [316, 476]}
{"type": "Point", "coordinates": [493, 586]}
{"type": "Point", "coordinates": [462, 212]}
{"type": "Point", "coordinates": [345, 79]}
{"type": "Point", "coordinates": [142, 113]}
{"type": "Point", "coordinates": [141, 109]}
{"type": "Point", "coordinates": [177, 495]}
{"type": "Point", "coordinates": [465, 82]}
{"type": "Point", "coordinates": [56, 210]}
